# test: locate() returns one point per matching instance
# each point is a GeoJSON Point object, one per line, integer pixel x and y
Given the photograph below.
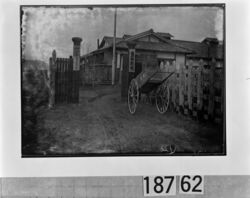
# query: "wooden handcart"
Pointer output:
{"type": "Point", "coordinates": [148, 81]}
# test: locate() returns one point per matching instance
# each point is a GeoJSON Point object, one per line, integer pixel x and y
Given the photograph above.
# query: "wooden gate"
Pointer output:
{"type": "Point", "coordinates": [66, 81]}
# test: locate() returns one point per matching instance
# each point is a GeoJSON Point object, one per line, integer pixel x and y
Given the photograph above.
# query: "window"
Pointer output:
{"type": "Point", "coordinates": [166, 64]}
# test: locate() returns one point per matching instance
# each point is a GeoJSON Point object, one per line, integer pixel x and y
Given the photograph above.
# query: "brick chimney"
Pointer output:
{"type": "Point", "coordinates": [76, 52]}
{"type": "Point", "coordinates": [212, 44]}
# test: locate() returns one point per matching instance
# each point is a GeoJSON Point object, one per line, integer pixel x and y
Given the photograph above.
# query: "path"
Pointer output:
{"type": "Point", "coordinates": [101, 123]}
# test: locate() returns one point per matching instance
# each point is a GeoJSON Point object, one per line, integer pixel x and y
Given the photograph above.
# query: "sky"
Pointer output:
{"type": "Point", "coordinates": [49, 28]}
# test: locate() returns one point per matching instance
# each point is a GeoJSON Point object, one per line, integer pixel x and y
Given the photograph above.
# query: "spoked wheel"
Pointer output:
{"type": "Point", "coordinates": [162, 99]}
{"type": "Point", "coordinates": [133, 96]}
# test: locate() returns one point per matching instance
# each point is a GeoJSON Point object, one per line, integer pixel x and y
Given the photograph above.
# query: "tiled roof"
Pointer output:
{"type": "Point", "coordinates": [139, 35]}
{"type": "Point", "coordinates": [141, 45]}
{"type": "Point", "coordinates": [125, 36]}
{"type": "Point", "coordinates": [163, 34]}
{"type": "Point", "coordinates": [154, 46]}
{"type": "Point", "coordinates": [109, 40]}
{"type": "Point", "coordinates": [201, 50]}
{"type": "Point", "coordinates": [193, 49]}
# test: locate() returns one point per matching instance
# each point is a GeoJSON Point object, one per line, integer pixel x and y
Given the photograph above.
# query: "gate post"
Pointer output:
{"type": "Point", "coordinates": [128, 69]}
{"type": "Point", "coordinates": [76, 67]}
{"type": "Point", "coordinates": [52, 68]}
{"type": "Point", "coordinates": [76, 53]}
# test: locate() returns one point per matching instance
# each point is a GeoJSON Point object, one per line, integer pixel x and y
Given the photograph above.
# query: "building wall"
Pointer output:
{"type": "Point", "coordinates": [180, 61]}
{"type": "Point", "coordinates": [165, 55]}
{"type": "Point", "coordinates": [108, 56]}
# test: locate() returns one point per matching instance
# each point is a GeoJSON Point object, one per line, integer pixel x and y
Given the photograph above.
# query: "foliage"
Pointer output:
{"type": "Point", "coordinates": [35, 95]}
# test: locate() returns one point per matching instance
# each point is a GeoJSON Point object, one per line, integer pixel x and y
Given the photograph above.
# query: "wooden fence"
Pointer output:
{"type": "Point", "coordinates": [66, 81]}
{"type": "Point", "coordinates": [93, 74]}
{"type": "Point", "coordinates": [198, 91]}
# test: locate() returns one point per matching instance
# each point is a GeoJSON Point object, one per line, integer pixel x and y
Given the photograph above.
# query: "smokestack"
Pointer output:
{"type": "Point", "coordinates": [98, 44]}
{"type": "Point", "coordinates": [76, 52]}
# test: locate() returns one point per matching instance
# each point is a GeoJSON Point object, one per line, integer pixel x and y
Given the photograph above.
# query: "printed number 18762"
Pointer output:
{"type": "Point", "coordinates": [166, 185]}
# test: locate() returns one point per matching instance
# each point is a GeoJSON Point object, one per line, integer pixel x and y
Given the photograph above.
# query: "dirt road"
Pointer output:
{"type": "Point", "coordinates": [101, 123]}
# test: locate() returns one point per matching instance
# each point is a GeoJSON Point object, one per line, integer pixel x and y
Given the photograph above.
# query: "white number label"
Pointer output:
{"type": "Point", "coordinates": [159, 185]}
{"type": "Point", "coordinates": [191, 184]}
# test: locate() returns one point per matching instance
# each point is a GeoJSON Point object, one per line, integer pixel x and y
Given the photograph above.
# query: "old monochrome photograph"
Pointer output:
{"type": "Point", "coordinates": [128, 80]}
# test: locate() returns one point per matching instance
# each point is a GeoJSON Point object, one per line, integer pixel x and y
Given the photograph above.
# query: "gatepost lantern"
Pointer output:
{"type": "Point", "coordinates": [76, 53]}
{"type": "Point", "coordinates": [52, 69]}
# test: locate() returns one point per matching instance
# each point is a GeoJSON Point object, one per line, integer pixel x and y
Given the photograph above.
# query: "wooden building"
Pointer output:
{"type": "Point", "coordinates": [197, 87]}
{"type": "Point", "coordinates": [96, 66]}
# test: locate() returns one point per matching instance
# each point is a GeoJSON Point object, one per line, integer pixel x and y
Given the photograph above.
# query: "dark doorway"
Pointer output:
{"type": "Point", "coordinates": [138, 68]}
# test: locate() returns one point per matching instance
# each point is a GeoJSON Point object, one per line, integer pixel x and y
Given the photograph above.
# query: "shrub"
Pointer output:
{"type": "Point", "coordinates": [35, 95]}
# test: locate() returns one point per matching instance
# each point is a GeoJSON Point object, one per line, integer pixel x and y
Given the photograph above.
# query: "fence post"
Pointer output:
{"type": "Point", "coordinates": [171, 86]}
{"type": "Point", "coordinates": [181, 87]}
{"type": "Point", "coordinates": [52, 68]}
{"type": "Point", "coordinates": [76, 67]}
{"type": "Point", "coordinates": [199, 86]}
{"type": "Point", "coordinates": [186, 89]}
{"type": "Point", "coordinates": [190, 65]}
{"type": "Point", "coordinates": [211, 89]}
{"type": "Point", "coordinates": [176, 90]}
{"type": "Point", "coordinates": [194, 89]}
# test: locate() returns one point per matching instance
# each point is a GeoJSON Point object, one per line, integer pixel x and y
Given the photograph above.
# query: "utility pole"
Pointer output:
{"type": "Point", "coordinates": [114, 53]}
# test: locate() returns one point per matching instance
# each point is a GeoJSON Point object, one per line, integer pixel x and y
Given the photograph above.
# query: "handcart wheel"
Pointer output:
{"type": "Point", "coordinates": [133, 96]}
{"type": "Point", "coordinates": [162, 99]}
{"type": "Point", "coordinates": [166, 97]}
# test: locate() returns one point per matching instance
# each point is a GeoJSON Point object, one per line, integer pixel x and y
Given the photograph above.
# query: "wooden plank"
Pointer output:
{"type": "Point", "coordinates": [56, 83]}
{"type": "Point", "coordinates": [67, 77]}
{"type": "Point", "coordinates": [58, 80]}
{"type": "Point", "coordinates": [74, 87]}
{"type": "Point", "coordinates": [64, 80]}
{"type": "Point", "coordinates": [71, 79]}
{"type": "Point", "coordinates": [199, 85]}
{"type": "Point", "coordinates": [182, 91]}
{"type": "Point", "coordinates": [61, 80]}
{"type": "Point", "coordinates": [211, 89]}
{"type": "Point", "coordinates": [51, 83]}
{"type": "Point", "coordinates": [77, 85]}
{"type": "Point", "coordinates": [190, 84]}
{"type": "Point", "coordinates": [67, 81]}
